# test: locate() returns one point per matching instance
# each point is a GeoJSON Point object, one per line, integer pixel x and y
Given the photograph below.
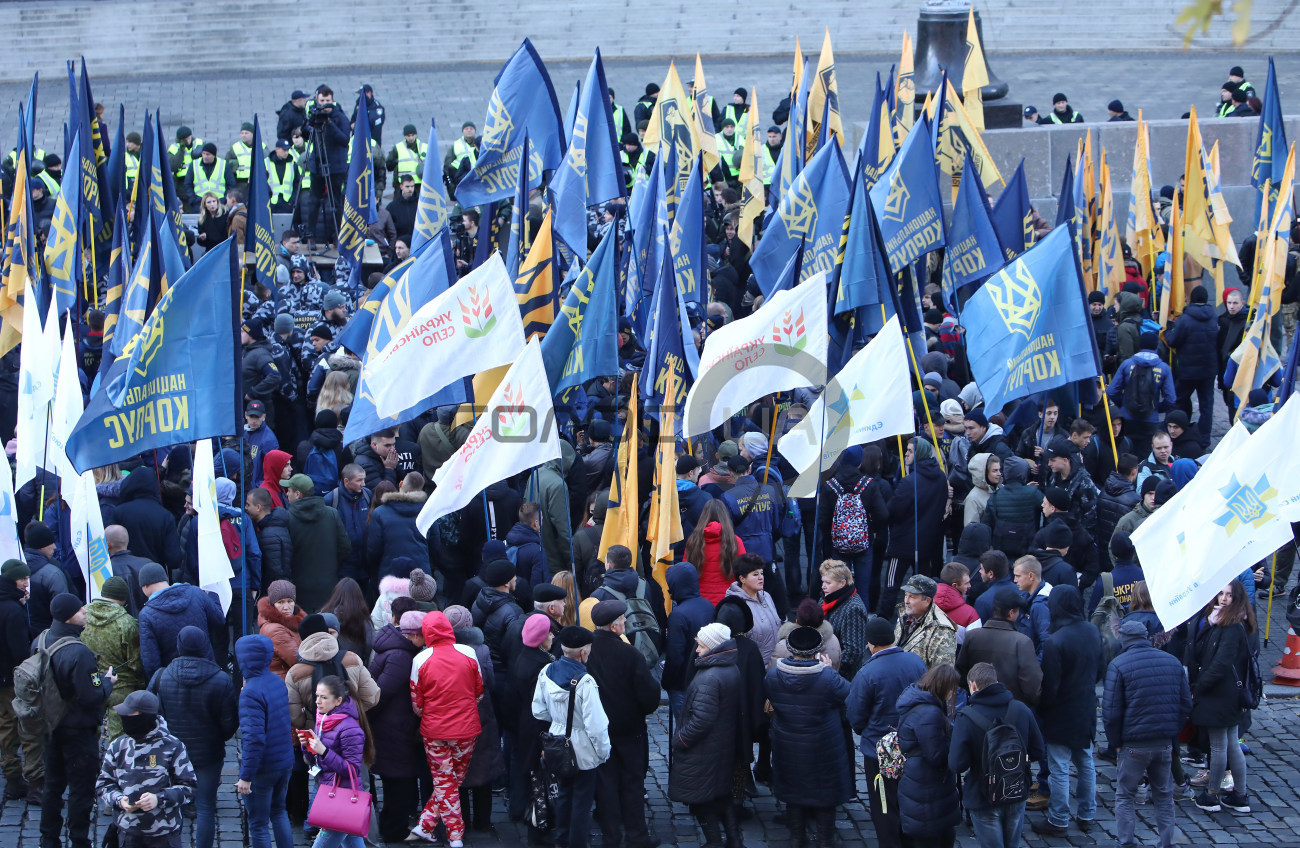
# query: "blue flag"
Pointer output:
{"type": "Point", "coordinates": [522, 102]}
{"type": "Point", "coordinates": [791, 159]}
{"type": "Point", "coordinates": [1065, 200]}
{"type": "Point", "coordinates": [592, 171]}
{"type": "Point", "coordinates": [686, 240]}
{"type": "Point", "coordinates": [1013, 218]}
{"type": "Point", "coordinates": [1289, 373]}
{"type": "Point", "coordinates": [142, 289]}
{"type": "Point", "coordinates": [583, 343]}
{"type": "Point", "coordinates": [1027, 328]}
{"type": "Point", "coordinates": [358, 198]}
{"type": "Point", "coordinates": [907, 201]}
{"type": "Point", "coordinates": [260, 242]}
{"type": "Point", "coordinates": [180, 378]}
{"type": "Point", "coordinates": [812, 213]}
{"type": "Point", "coordinates": [973, 252]}
{"type": "Point", "coordinates": [427, 277]}
{"type": "Point", "coordinates": [431, 212]}
{"type": "Point", "coordinates": [63, 258]}
{"type": "Point", "coordinates": [642, 217]}
{"type": "Point", "coordinates": [356, 335]}
{"type": "Point", "coordinates": [170, 203]}
{"type": "Point", "coordinates": [517, 238]}
{"type": "Point", "coordinates": [115, 169]}
{"type": "Point", "coordinates": [877, 146]}
{"type": "Point", "coordinates": [864, 278]}
{"type": "Point", "coordinates": [670, 348]}
{"type": "Point", "coordinates": [1270, 148]}
{"type": "Point", "coordinates": [119, 269]}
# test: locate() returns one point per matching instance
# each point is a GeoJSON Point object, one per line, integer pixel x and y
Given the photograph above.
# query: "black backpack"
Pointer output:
{"type": "Point", "coordinates": [1005, 772]}
{"type": "Point", "coordinates": [1140, 390]}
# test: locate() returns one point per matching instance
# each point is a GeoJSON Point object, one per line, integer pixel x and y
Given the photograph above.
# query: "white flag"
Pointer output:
{"type": "Point", "coordinates": [87, 528]}
{"type": "Point", "coordinates": [516, 431]}
{"type": "Point", "coordinates": [67, 409]}
{"type": "Point", "coordinates": [1236, 511]}
{"type": "Point", "coordinates": [471, 327]}
{"type": "Point", "coordinates": [781, 346]}
{"type": "Point", "coordinates": [214, 565]}
{"type": "Point", "coordinates": [869, 399]}
{"type": "Point", "coordinates": [36, 362]}
{"type": "Point", "coordinates": [11, 546]}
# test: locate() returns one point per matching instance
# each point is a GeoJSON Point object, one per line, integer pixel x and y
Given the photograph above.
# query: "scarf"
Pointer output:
{"type": "Point", "coordinates": [835, 598]}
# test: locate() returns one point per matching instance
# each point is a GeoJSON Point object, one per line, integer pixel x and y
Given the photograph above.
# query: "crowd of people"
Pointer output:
{"type": "Point", "coordinates": [946, 607]}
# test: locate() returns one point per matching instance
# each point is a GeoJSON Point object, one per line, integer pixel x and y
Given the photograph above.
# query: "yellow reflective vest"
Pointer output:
{"type": "Point", "coordinates": [769, 165]}
{"type": "Point", "coordinates": [51, 184]}
{"type": "Point", "coordinates": [205, 184]}
{"type": "Point", "coordinates": [463, 150]}
{"type": "Point", "coordinates": [191, 155]}
{"type": "Point", "coordinates": [243, 160]}
{"type": "Point", "coordinates": [411, 161]}
{"type": "Point", "coordinates": [280, 185]}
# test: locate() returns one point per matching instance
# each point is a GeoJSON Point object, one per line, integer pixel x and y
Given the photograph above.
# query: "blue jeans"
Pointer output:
{"type": "Point", "coordinates": [676, 698]}
{"type": "Point", "coordinates": [1058, 808]}
{"type": "Point", "coordinates": [335, 838]}
{"type": "Point", "coordinates": [998, 827]}
{"type": "Point", "coordinates": [265, 808]}
{"type": "Point", "coordinates": [1132, 765]}
{"type": "Point", "coordinates": [208, 779]}
{"type": "Point", "coordinates": [572, 811]}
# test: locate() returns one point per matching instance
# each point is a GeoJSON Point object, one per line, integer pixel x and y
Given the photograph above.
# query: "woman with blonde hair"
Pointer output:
{"type": "Point", "coordinates": [847, 614]}
{"type": "Point", "coordinates": [564, 579]}
{"type": "Point", "coordinates": [335, 392]}
{"type": "Point", "coordinates": [212, 222]}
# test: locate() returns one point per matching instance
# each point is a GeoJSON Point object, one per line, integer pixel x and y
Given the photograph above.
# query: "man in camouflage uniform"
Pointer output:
{"type": "Point", "coordinates": [146, 776]}
{"type": "Point", "coordinates": [924, 629]}
{"type": "Point", "coordinates": [114, 635]}
{"type": "Point", "coordinates": [303, 297]}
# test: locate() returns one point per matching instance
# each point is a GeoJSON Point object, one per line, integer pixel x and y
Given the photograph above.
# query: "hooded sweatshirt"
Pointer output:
{"type": "Point", "coordinates": [273, 464]}
{"type": "Point", "coordinates": [978, 497]}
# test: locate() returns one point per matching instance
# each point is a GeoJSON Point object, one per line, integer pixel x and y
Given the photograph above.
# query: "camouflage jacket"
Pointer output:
{"type": "Point", "coordinates": [159, 765]}
{"type": "Point", "coordinates": [114, 635]}
{"type": "Point", "coordinates": [933, 638]}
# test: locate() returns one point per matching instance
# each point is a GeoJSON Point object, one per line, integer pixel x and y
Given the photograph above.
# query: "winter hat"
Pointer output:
{"type": "Point", "coordinates": [932, 378]}
{"type": "Point", "coordinates": [494, 549]}
{"type": "Point", "coordinates": [1096, 297]}
{"type": "Point", "coordinates": [755, 444]}
{"type": "Point", "coordinates": [411, 621]}
{"type": "Point", "coordinates": [115, 589]}
{"type": "Point", "coordinates": [536, 626]}
{"type": "Point", "coordinates": [459, 617]}
{"type": "Point", "coordinates": [1057, 535]}
{"type": "Point", "coordinates": [245, 127]}
{"type": "Point", "coordinates": [1239, 95]}
{"type": "Point", "coordinates": [879, 632]}
{"type": "Point", "coordinates": [38, 535]}
{"type": "Point", "coordinates": [1256, 397]}
{"type": "Point", "coordinates": [1179, 419]}
{"type": "Point", "coordinates": [332, 300]}
{"type": "Point", "coordinates": [327, 419]}
{"type": "Point", "coordinates": [283, 324]}
{"type": "Point", "coordinates": [1149, 485]}
{"type": "Point", "coordinates": [281, 590]}
{"type": "Point", "coordinates": [738, 465]}
{"type": "Point", "coordinates": [1059, 97]}
{"type": "Point", "coordinates": [64, 606]}
{"type": "Point", "coordinates": [423, 587]}
{"type": "Point", "coordinates": [1148, 341]}
{"type": "Point", "coordinates": [311, 625]}
{"type": "Point", "coordinates": [1165, 490]}
{"type": "Point", "coordinates": [851, 457]}
{"type": "Point", "coordinates": [713, 635]}
{"type": "Point", "coordinates": [951, 411]}
{"type": "Point", "coordinates": [498, 573]}
{"type": "Point", "coordinates": [192, 642]}
{"type": "Point", "coordinates": [1236, 71]}
{"type": "Point", "coordinates": [1199, 295]}
{"type": "Point", "coordinates": [1115, 106]}
{"type": "Point", "coordinates": [254, 328]}
{"type": "Point", "coordinates": [1058, 497]}
{"type": "Point", "coordinates": [978, 416]}
{"type": "Point", "coordinates": [183, 132]}
{"type": "Point", "coordinates": [804, 641]}
{"type": "Point", "coordinates": [1121, 547]}
{"type": "Point", "coordinates": [410, 129]}
{"type": "Point", "coordinates": [1132, 631]}
{"type": "Point", "coordinates": [16, 570]}
{"type": "Point", "coordinates": [152, 573]}
{"type": "Point", "coordinates": [210, 148]}
{"type": "Point", "coordinates": [574, 637]}
{"type": "Point", "coordinates": [735, 614]}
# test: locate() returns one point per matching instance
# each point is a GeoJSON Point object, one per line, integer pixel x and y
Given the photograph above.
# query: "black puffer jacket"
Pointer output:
{"type": "Point", "coordinates": [1146, 699]}
{"type": "Point", "coordinates": [1013, 510]}
{"type": "Point", "coordinates": [151, 528]}
{"type": "Point", "coordinates": [916, 511]}
{"type": "Point", "coordinates": [392, 532]}
{"type": "Point", "coordinates": [1194, 339]}
{"type": "Point", "coordinates": [15, 641]}
{"type": "Point", "coordinates": [1117, 499]}
{"type": "Point", "coordinates": [1216, 657]}
{"type": "Point", "coordinates": [493, 611]}
{"type": "Point", "coordinates": [810, 764]}
{"type": "Point", "coordinates": [927, 791]}
{"type": "Point", "coordinates": [201, 706]}
{"type": "Point", "coordinates": [1072, 667]}
{"type": "Point", "coordinates": [277, 549]}
{"type": "Point", "coordinates": [705, 744]}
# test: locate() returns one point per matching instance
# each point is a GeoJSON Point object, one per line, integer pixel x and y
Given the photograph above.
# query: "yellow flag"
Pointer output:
{"type": "Point", "coordinates": [1172, 295]}
{"type": "Point", "coordinates": [904, 92]}
{"type": "Point", "coordinates": [1274, 236]}
{"type": "Point", "coordinates": [752, 195]}
{"type": "Point", "coordinates": [673, 122]}
{"type": "Point", "coordinates": [18, 262]}
{"type": "Point", "coordinates": [1142, 232]}
{"type": "Point", "coordinates": [1092, 214]}
{"type": "Point", "coordinates": [1198, 231]}
{"type": "Point", "coordinates": [823, 101]}
{"type": "Point", "coordinates": [702, 112]}
{"type": "Point", "coordinates": [621, 519]}
{"type": "Point", "coordinates": [975, 74]}
{"type": "Point", "coordinates": [1110, 256]}
{"type": "Point", "coordinates": [954, 127]}
{"type": "Point", "coordinates": [664, 524]}
{"type": "Point", "coordinates": [535, 283]}
{"type": "Point", "coordinates": [798, 71]}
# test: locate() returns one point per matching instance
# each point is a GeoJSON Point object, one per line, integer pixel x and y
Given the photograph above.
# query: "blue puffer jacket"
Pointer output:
{"type": "Point", "coordinates": [755, 514]}
{"type": "Point", "coordinates": [530, 558]}
{"type": "Point", "coordinates": [199, 703]}
{"type": "Point", "coordinates": [1146, 699]}
{"type": "Point", "coordinates": [810, 766]}
{"type": "Point", "coordinates": [690, 613]}
{"type": "Point", "coordinates": [1195, 340]}
{"type": "Point", "coordinates": [266, 740]}
{"type": "Point", "coordinates": [393, 532]}
{"type": "Point", "coordinates": [927, 791]}
{"type": "Point", "coordinates": [873, 701]}
{"type": "Point", "coordinates": [170, 610]}
{"type": "Point", "coordinates": [354, 509]}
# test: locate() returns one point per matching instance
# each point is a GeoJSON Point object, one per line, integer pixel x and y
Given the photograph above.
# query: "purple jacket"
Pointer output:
{"type": "Point", "coordinates": [344, 742]}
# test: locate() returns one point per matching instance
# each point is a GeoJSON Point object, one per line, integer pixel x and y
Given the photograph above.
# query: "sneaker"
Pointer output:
{"type": "Point", "coordinates": [1143, 793]}
{"type": "Point", "coordinates": [419, 834]}
{"type": "Point", "coordinates": [1195, 758]}
{"type": "Point", "coordinates": [1226, 784]}
{"type": "Point", "coordinates": [1046, 828]}
{"type": "Point", "coordinates": [1201, 778]}
{"type": "Point", "coordinates": [1208, 802]}
{"type": "Point", "coordinates": [1235, 801]}
{"type": "Point", "coordinates": [1037, 801]}
{"type": "Point", "coordinates": [1183, 791]}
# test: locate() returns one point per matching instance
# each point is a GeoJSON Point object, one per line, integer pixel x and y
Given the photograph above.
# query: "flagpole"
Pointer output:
{"type": "Point", "coordinates": [771, 441]}
{"type": "Point", "coordinates": [1110, 425]}
{"type": "Point", "coordinates": [93, 289]}
{"type": "Point", "coordinates": [902, 466]}
{"type": "Point", "coordinates": [925, 404]}
{"type": "Point", "coordinates": [1272, 583]}
{"type": "Point", "coordinates": [243, 549]}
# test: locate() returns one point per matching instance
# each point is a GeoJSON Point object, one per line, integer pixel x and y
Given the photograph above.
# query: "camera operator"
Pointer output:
{"type": "Point", "coordinates": [327, 129]}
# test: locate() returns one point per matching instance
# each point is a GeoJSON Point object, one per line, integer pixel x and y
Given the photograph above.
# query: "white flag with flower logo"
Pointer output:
{"type": "Point", "coordinates": [471, 327]}
{"type": "Point", "coordinates": [515, 432]}
{"type": "Point", "coordinates": [781, 346]}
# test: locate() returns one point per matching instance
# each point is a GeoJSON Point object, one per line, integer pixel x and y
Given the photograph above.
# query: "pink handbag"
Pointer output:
{"type": "Point", "coordinates": [343, 809]}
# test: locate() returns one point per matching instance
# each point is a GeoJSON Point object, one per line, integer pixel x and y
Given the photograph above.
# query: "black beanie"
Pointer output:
{"type": "Point", "coordinates": [1199, 295]}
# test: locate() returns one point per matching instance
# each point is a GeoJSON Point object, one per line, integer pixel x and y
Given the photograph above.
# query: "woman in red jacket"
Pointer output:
{"type": "Point", "coordinates": [712, 549]}
{"type": "Point", "coordinates": [445, 687]}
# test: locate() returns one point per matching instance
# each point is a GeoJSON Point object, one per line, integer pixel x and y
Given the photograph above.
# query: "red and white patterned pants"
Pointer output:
{"type": "Point", "coordinates": [448, 762]}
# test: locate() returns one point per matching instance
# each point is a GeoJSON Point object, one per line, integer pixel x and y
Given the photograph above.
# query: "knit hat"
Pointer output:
{"type": "Point", "coordinates": [1178, 418]}
{"type": "Point", "coordinates": [951, 411]}
{"type": "Point", "coordinates": [1165, 491]}
{"type": "Point", "coordinates": [253, 326]}
{"type": "Point", "coordinates": [327, 419]}
{"type": "Point", "coordinates": [1149, 485]}
{"type": "Point", "coordinates": [1059, 97]}
{"type": "Point", "coordinates": [245, 127]}
{"type": "Point", "coordinates": [64, 606]}
{"type": "Point", "coordinates": [302, 484]}
{"type": "Point", "coordinates": [600, 430]}
{"type": "Point", "coordinates": [574, 637]}
{"type": "Point", "coordinates": [932, 378]}
{"type": "Point", "coordinates": [978, 416]}
{"type": "Point", "coordinates": [423, 587]}
{"type": "Point", "coordinates": [536, 626]}
{"type": "Point", "coordinates": [713, 635]}
{"type": "Point", "coordinates": [687, 463]}
{"type": "Point", "coordinates": [1121, 546]}
{"type": "Point", "coordinates": [183, 132]}
{"type": "Point", "coordinates": [459, 617]}
{"type": "Point", "coordinates": [311, 625]}
{"type": "Point", "coordinates": [15, 569]}
{"type": "Point", "coordinates": [1115, 106]}
{"type": "Point", "coordinates": [735, 614]}
{"type": "Point", "coordinates": [1199, 295]}
{"type": "Point", "coordinates": [1148, 341]}
{"type": "Point", "coordinates": [210, 148]}
{"type": "Point", "coordinates": [755, 444]}
{"type": "Point", "coordinates": [1236, 71]}
{"type": "Point", "coordinates": [411, 621]}
{"type": "Point", "coordinates": [1239, 95]}
{"type": "Point", "coordinates": [152, 573]}
{"type": "Point", "coordinates": [606, 613]}
{"type": "Point", "coordinates": [321, 330]}
{"type": "Point", "coordinates": [738, 465]}
{"type": "Point", "coordinates": [283, 324]}
{"type": "Point", "coordinates": [1057, 535]}
{"type": "Point", "coordinates": [192, 642]}
{"type": "Point", "coordinates": [804, 641]}
{"type": "Point", "coordinates": [879, 632]}
{"type": "Point", "coordinates": [1058, 497]}
{"type": "Point", "coordinates": [493, 549]}
{"type": "Point", "coordinates": [1096, 297]}
{"type": "Point", "coordinates": [410, 129]}
{"type": "Point", "coordinates": [133, 137]}
{"type": "Point", "coordinates": [498, 573]}
{"type": "Point", "coordinates": [281, 590]}
{"type": "Point", "coordinates": [332, 300]}
{"type": "Point", "coordinates": [115, 589]}
{"type": "Point", "coordinates": [38, 535]}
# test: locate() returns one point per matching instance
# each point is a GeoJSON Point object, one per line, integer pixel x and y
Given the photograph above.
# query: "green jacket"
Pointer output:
{"type": "Point", "coordinates": [114, 635]}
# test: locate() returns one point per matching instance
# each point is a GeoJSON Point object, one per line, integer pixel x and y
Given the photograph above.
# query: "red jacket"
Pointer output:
{"type": "Point", "coordinates": [713, 585]}
{"type": "Point", "coordinates": [952, 603]}
{"type": "Point", "coordinates": [447, 685]}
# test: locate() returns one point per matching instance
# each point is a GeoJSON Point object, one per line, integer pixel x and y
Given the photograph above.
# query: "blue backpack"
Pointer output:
{"type": "Point", "coordinates": [323, 469]}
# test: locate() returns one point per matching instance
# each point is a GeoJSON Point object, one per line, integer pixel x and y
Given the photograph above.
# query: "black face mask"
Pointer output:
{"type": "Point", "coordinates": [138, 726]}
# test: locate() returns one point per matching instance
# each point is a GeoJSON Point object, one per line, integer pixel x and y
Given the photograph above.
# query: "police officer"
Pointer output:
{"type": "Point", "coordinates": [463, 154]}
{"type": "Point", "coordinates": [771, 151]}
{"type": "Point", "coordinates": [181, 154]}
{"type": "Point", "coordinates": [72, 745]}
{"type": "Point", "coordinates": [1238, 76]}
{"type": "Point", "coordinates": [631, 153]}
{"type": "Point", "coordinates": [408, 156]}
{"type": "Point", "coordinates": [730, 149]}
{"type": "Point", "coordinates": [131, 159]}
{"type": "Point", "coordinates": [738, 108]}
{"type": "Point", "coordinates": [207, 175]}
{"type": "Point", "coordinates": [374, 112]}
{"type": "Point", "coordinates": [240, 155]}
{"type": "Point", "coordinates": [622, 125]}
{"type": "Point", "coordinates": [282, 177]}
{"type": "Point", "coordinates": [1061, 113]}
{"type": "Point", "coordinates": [51, 174]}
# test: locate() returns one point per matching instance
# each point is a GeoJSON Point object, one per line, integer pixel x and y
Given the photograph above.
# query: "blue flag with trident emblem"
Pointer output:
{"type": "Point", "coordinates": [358, 198]}
{"type": "Point", "coordinates": [1027, 327]}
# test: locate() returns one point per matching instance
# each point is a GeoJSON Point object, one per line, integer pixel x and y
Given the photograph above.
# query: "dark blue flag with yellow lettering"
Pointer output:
{"type": "Point", "coordinates": [358, 198]}
{"type": "Point", "coordinates": [1270, 149]}
{"type": "Point", "coordinates": [260, 242]}
{"type": "Point", "coordinates": [686, 240]}
{"type": "Point", "coordinates": [432, 209]}
{"type": "Point", "coordinates": [908, 203]}
{"type": "Point", "coordinates": [973, 252]}
{"type": "Point", "coordinates": [179, 379]}
{"type": "Point", "coordinates": [670, 348]}
{"type": "Point", "coordinates": [1013, 219]}
{"type": "Point", "coordinates": [591, 172]}
{"type": "Point", "coordinates": [1027, 328]}
{"type": "Point", "coordinates": [1065, 200]}
{"type": "Point", "coordinates": [582, 344]}
{"type": "Point", "coordinates": [522, 102]}
{"type": "Point", "coordinates": [864, 278]}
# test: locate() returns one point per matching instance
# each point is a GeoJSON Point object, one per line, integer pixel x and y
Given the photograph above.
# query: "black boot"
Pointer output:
{"type": "Point", "coordinates": [797, 820]}
{"type": "Point", "coordinates": [825, 827]}
{"type": "Point", "coordinates": [710, 823]}
{"type": "Point", "coordinates": [731, 824]}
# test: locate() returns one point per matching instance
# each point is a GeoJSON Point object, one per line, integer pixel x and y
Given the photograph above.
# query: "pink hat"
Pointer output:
{"type": "Point", "coordinates": [536, 629]}
{"type": "Point", "coordinates": [411, 621]}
